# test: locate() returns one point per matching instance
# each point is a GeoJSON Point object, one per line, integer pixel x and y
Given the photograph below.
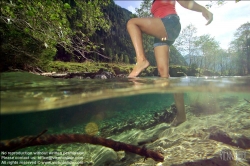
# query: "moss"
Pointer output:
{"type": "Point", "coordinates": [119, 68]}
{"type": "Point", "coordinates": [58, 66]}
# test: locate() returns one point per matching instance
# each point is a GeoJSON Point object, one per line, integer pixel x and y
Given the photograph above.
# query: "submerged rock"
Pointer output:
{"type": "Point", "coordinates": [100, 77]}
{"type": "Point", "coordinates": [238, 140]}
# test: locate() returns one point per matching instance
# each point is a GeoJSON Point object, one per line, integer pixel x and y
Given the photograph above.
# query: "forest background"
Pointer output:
{"type": "Point", "coordinates": [59, 35]}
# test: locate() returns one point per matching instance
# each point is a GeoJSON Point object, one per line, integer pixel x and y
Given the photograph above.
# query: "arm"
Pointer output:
{"type": "Point", "coordinates": [192, 5]}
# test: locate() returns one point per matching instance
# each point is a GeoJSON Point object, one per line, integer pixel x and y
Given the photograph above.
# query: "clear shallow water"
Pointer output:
{"type": "Point", "coordinates": [131, 111]}
{"type": "Point", "coordinates": [25, 92]}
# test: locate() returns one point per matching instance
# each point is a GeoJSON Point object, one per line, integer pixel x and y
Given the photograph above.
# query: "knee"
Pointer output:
{"type": "Point", "coordinates": [130, 23]}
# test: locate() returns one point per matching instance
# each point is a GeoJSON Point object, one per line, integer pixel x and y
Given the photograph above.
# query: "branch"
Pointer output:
{"type": "Point", "coordinates": [14, 144]}
{"type": "Point", "coordinates": [81, 53]}
{"type": "Point", "coordinates": [25, 143]}
{"type": "Point", "coordinates": [99, 54]}
{"type": "Point", "coordinates": [12, 47]}
{"type": "Point", "coordinates": [20, 24]}
{"type": "Point", "coordinates": [5, 19]}
{"type": "Point", "coordinates": [78, 42]}
{"type": "Point", "coordinates": [79, 45]}
{"type": "Point", "coordinates": [247, 100]}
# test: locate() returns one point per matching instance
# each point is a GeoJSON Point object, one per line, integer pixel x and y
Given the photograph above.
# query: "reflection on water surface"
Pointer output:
{"type": "Point", "coordinates": [25, 92]}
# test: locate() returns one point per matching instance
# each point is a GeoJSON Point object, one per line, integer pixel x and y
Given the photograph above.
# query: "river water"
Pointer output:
{"type": "Point", "coordinates": [32, 103]}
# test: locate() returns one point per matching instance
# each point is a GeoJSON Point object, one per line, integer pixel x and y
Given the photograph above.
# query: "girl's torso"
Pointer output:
{"type": "Point", "coordinates": [162, 8]}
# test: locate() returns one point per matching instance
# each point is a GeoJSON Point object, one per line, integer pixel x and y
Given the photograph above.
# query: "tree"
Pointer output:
{"type": "Point", "coordinates": [117, 38]}
{"type": "Point", "coordinates": [42, 23]}
{"type": "Point", "coordinates": [185, 43]}
{"type": "Point", "coordinates": [206, 48]}
{"type": "Point", "coordinates": [223, 62]}
{"type": "Point", "coordinates": [144, 10]}
{"type": "Point", "coordinates": [110, 54]}
{"type": "Point", "coordinates": [126, 59]}
{"type": "Point", "coordinates": [241, 47]}
{"type": "Point", "coordinates": [218, 3]}
{"type": "Point", "coordinates": [121, 58]}
{"type": "Point", "coordinates": [47, 25]}
{"type": "Point", "coordinates": [234, 66]}
{"type": "Point", "coordinates": [116, 58]}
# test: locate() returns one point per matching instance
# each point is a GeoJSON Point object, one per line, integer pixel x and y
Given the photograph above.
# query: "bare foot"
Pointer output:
{"type": "Point", "coordinates": [177, 121]}
{"type": "Point", "coordinates": [139, 67]}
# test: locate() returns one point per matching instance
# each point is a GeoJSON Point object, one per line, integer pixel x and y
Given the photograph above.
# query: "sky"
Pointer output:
{"type": "Point", "coordinates": [227, 18]}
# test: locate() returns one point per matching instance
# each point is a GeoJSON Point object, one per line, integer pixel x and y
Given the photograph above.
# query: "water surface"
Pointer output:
{"type": "Point", "coordinates": [26, 92]}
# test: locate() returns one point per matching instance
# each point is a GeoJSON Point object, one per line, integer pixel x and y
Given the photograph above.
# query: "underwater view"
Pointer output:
{"type": "Point", "coordinates": [124, 121]}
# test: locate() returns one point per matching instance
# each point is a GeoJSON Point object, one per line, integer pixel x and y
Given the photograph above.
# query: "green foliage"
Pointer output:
{"type": "Point", "coordinates": [89, 16]}
{"type": "Point", "coordinates": [46, 56]}
{"type": "Point", "coordinates": [126, 59]}
{"type": "Point", "coordinates": [176, 58]}
{"type": "Point", "coordinates": [116, 39]}
{"type": "Point", "coordinates": [66, 6]}
{"type": "Point", "coordinates": [32, 29]}
{"type": "Point", "coordinates": [192, 70]}
{"type": "Point", "coordinates": [144, 10]}
{"type": "Point", "coordinates": [19, 50]}
{"type": "Point", "coordinates": [90, 67]}
{"type": "Point", "coordinates": [206, 53]}
{"type": "Point", "coordinates": [240, 49]}
{"type": "Point", "coordinates": [116, 58]}
{"type": "Point", "coordinates": [207, 58]}
{"type": "Point", "coordinates": [217, 3]}
{"type": "Point", "coordinates": [47, 25]}
{"type": "Point", "coordinates": [185, 43]}
{"type": "Point", "coordinates": [121, 58]}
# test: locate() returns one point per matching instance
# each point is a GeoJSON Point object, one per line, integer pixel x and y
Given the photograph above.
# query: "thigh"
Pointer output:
{"type": "Point", "coordinates": [151, 26]}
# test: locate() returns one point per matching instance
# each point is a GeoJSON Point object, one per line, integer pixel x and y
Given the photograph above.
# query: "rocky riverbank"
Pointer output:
{"type": "Point", "coordinates": [57, 69]}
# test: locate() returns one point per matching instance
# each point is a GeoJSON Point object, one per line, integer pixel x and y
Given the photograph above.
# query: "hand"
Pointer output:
{"type": "Point", "coordinates": [208, 15]}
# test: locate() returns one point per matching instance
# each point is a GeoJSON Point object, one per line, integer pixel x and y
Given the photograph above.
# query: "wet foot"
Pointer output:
{"type": "Point", "coordinates": [139, 67]}
{"type": "Point", "coordinates": [177, 121]}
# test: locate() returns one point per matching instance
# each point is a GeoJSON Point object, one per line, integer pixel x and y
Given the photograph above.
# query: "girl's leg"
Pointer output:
{"type": "Point", "coordinates": [135, 27]}
{"type": "Point", "coordinates": [181, 114]}
{"type": "Point", "coordinates": [162, 59]}
{"type": "Point", "coordinates": [153, 27]}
